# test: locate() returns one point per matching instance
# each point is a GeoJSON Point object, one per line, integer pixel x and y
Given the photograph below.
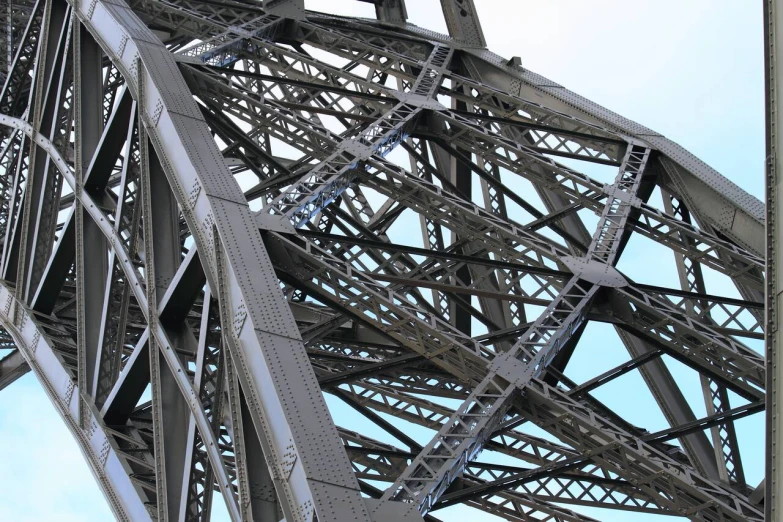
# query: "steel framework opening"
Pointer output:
{"type": "Point", "coordinates": [216, 213]}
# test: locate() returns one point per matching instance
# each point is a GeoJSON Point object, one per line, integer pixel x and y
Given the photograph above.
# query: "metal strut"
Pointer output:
{"type": "Point", "coordinates": [217, 217]}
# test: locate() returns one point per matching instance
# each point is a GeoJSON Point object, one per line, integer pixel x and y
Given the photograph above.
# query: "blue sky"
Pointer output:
{"type": "Point", "coordinates": [690, 70]}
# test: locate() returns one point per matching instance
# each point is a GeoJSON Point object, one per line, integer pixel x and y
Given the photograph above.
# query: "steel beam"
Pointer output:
{"type": "Point", "coordinates": [12, 366]}
{"type": "Point", "coordinates": [773, 39]}
{"type": "Point", "coordinates": [463, 23]}
{"type": "Point", "coordinates": [141, 264]}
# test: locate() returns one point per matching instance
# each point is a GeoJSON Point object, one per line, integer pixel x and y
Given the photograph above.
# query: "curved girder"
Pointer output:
{"type": "Point", "coordinates": [215, 210]}
{"type": "Point", "coordinates": [98, 448]}
{"type": "Point", "coordinates": [217, 216]}
{"type": "Point", "coordinates": [190, 302]}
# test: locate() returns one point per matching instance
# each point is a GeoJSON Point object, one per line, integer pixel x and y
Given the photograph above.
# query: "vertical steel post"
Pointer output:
{"type": "Point", "coordinates": [772, 20]}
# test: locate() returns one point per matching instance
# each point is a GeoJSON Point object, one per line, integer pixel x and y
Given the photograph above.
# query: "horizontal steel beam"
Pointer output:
{"type": "Point", "coordinates": [12, 367]}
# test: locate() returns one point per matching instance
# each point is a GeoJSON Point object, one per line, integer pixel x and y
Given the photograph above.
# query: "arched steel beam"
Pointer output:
{"type": "Point", "coordinates": [126, 263]}
{"type": "Point", "coordinates": [100, 453]}
{"type": "Point", "coordinates": [266, 348]}
{"type": "Point", "coordinates": [720, 202]}
{"type": "Point", "coordinates": [266, 342]}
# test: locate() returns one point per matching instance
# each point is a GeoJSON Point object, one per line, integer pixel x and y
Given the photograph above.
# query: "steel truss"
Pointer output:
{"type": "Point", "coordinates": [201, 215]}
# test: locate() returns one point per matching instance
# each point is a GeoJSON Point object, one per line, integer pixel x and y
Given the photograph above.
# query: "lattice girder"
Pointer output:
{"type": "Point", "coordinates": [214, 214]}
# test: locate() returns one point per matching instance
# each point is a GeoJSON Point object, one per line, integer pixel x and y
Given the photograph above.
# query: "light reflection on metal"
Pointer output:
{"type": "Point", "coordinates": [216, 213]}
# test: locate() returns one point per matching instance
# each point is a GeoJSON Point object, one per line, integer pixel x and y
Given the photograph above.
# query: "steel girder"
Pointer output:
{"type": "Point", "coordinates": [772, 41]}
{"type": "Point", "coordinates": [263, 205]}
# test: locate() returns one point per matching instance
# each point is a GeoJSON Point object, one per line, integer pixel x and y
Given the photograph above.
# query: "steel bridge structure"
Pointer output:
{"type": "Point", "coordinates": [216, 214]}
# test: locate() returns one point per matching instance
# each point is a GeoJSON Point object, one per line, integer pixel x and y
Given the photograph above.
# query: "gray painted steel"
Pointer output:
{"type": "Point", "coordinates": [773, 21]}
{"type": "Point", "coordinates": [215, 214]}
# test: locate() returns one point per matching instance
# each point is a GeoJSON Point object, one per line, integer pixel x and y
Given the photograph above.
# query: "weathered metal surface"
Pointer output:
{"type": "Point", "coordinates": [260, 205]}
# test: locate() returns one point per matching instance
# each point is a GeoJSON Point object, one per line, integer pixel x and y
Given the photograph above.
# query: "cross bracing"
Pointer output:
{"type": "Point", "coordinates": [217, 213]}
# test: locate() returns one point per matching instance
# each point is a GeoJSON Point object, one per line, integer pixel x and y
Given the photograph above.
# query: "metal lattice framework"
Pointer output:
{"type": "Point", "coordinates": [200, 220]}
